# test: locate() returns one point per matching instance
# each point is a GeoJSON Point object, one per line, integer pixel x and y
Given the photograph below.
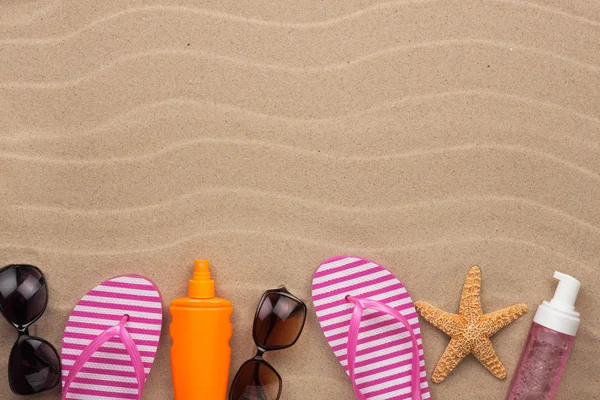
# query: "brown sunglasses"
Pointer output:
{"type": "Point", "coordinates": [278, 323]}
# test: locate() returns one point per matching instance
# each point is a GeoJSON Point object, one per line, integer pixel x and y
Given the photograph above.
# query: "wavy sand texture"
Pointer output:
{"type": "Point", "coordinates": [430, 135]}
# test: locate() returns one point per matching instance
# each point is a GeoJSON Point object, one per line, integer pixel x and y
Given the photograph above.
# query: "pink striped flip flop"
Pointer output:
{"type": "Point", "coordinates": [372, 327]}
{"type": "Point", "coordinates": [110, 341]}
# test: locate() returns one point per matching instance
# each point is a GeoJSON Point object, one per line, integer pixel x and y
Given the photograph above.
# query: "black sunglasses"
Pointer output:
{"type": "Point", "coordinates": [34, 364]}
{"type": "Point", "coordinates": [278, 323]}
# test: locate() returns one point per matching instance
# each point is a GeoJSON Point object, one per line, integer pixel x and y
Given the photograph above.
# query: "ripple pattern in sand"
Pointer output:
{"type": "Point", "coordinates": [426, 134]}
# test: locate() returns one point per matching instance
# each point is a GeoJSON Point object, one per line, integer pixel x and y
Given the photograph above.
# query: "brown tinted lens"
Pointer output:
{"type": "Point", "coordinates": [279, 321]}
{"type": "Point", "coordinates": [255, 381]}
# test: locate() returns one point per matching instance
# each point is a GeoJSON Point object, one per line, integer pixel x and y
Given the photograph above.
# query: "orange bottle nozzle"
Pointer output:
{"type": "Point", "coordinates": [201, 286]}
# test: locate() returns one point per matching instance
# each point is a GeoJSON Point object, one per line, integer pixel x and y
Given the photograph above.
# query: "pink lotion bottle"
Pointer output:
{"type": "Point", "coordinates": [548, 345]}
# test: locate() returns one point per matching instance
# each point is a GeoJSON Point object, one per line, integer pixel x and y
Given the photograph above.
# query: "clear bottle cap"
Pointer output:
{"type": "Point", "coordinates": [559, 314]}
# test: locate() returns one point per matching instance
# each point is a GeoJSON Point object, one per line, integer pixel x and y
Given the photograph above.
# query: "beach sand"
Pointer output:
{"type": "Point", "coordinates": [426, 135]}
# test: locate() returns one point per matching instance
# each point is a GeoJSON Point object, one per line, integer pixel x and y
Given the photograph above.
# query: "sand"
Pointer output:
{"type": "Point", "coordinates": [427, 135]}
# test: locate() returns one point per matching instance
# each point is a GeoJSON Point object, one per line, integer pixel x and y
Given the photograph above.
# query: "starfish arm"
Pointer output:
{"type": "Point", "coordinates": [470, 301]}
{"type": "Point", "coordinates": [453, 354]}
{"type": "Point", "coordinates": [485, 353]}
{"type": "Point", "coordinates": [497, 320]}
{"type": "Point", "coordinates": [446, 322]}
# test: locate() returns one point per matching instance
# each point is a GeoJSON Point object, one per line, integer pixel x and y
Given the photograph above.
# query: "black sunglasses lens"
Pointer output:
{"type": "Point", "coordinates": [33, 367]}
{"type": "Point", "coordinates": [279, 321]}
{"type": "Point", "coordinates": [255, 381]}
{"type": "Point", "coordinates": [23, 294]}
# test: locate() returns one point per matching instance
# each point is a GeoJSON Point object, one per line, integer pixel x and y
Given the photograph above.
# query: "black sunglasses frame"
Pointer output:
{"type": "Point", "coordinates": [23, 330]}
{"type": "Point", "coordinates": [262, 349]}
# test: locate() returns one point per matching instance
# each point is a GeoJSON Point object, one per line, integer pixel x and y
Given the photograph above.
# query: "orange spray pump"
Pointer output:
{"type": "Point", "coordinates": [200, 331]}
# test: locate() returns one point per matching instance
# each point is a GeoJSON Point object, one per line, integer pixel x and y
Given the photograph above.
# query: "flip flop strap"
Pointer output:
{"type": "Point", "coordinates": [114, 331]}
{"type": "Point", "coordinates": [359, 306]}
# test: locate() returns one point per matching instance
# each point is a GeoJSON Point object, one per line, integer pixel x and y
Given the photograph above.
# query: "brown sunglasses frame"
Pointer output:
{"type": "Point", "coordinates": [261, 350]}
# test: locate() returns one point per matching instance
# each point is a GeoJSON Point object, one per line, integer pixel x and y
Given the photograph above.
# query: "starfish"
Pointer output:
{"type": "Point", "coordinates": [470, 330]}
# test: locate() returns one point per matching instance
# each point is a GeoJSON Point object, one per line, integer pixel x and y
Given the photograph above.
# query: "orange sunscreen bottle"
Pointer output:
{"type": "Point", "coordinates": [200, 331]}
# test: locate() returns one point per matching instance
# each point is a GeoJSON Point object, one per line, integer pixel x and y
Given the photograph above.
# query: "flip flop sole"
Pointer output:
{"type": "Point", "coordinates": [383, 357]}
{"type": "Point", "coordinates": [109, 373]}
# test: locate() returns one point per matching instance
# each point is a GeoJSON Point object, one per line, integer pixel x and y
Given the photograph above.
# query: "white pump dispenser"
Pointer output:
{"type": "Point", "coordinates": [559, 314]}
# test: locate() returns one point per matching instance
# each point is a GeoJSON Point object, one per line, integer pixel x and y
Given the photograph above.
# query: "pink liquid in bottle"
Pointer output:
{"type": "Point", "coordinates": [541, 365]}
{"type": "Point", "coordinates": [548, 345]}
